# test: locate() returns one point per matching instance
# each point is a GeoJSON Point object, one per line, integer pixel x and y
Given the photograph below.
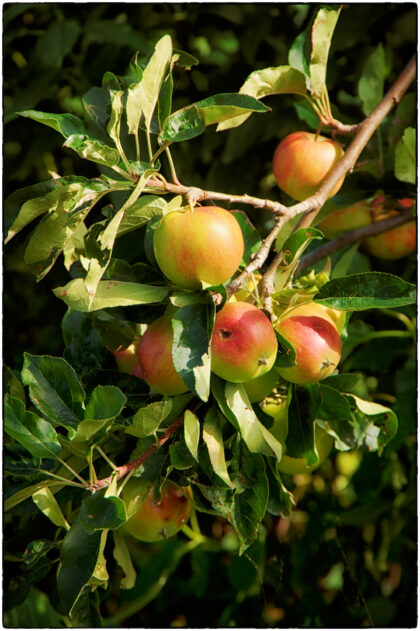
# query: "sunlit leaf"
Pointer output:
{"type": "Point", "coordinates": [405, 168]}
{"type": "Point", "coordinates": [30, 430]}
{"type": "Point", "coordinates": [212, 436]}
{"type": "Point", "coordinates": [322, 32]}
{"type": "Point", "coordinates": [191, 432]}
{"type": "Point", "coordinates": [48, 505]}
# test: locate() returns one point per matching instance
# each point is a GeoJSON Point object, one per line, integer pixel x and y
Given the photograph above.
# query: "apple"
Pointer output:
{"type": "Point", "coordinates": [259, 388]}
{"type": "Point", "coordinates": [345, 219]}
{"type": "Point", "coordinates": [317, 343]}
{"type": "Point", "coordinates": [289, 464]}
{"type": "Point", "coordinates": [335, 316]}
{"type": "Point", "coordinates": [244, 344]}
{"type": "Point", "coordinates": [154, 354]}
{"type": "Point", "coordinates": [301, 162]}
{"type": "Point", "coordinates": [200, 244]}
{"type": "Point", "coordinates": [393, 244]}
{"type": "Point", "coordinates": [126, 360]}
{"type": "Point", "coordinates": [150, 520]}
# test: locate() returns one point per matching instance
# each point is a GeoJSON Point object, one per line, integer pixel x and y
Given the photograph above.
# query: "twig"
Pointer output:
{"type": "Point", "coordinates": [378, 227]}
{"type": "Point", "coordinates": [121, 471]}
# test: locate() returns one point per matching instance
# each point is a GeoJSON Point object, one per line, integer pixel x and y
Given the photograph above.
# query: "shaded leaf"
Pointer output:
{"type": "Point", "coordinates": [98, 512]}
{"type": "Point", "coordinates": [252, 239]}
{"type": "Point", "coordinates": [191, 432]}
{"type": "Point", "coordinates": [371, 83]}
{"type": "Point", "coordinates": [366, 291]}
{"type": "Point", "coordinates": [65, 124]}
{"type": "Point", "coordinates": [123, 558]}
{"type": "Point", "coordinates": [292, 250]}
{"type": "Point", "coordinates": [93, 149]}
{"type": "Point", "coordinates": [405, 157]}
{"type": "Point", "coordinates": [30, 430]}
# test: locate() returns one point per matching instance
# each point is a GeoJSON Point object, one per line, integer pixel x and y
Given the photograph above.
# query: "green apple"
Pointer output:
{"type": "Point", "coordinates": [154, 354]}
{"type": "Point", "coordinates": [243, 345]}
{"type": "Point", "coordinates": [152, 520]}
{"type": "Point", "coordinates": [316, 340]}
{"type": "Point", "coordinates": [203, 244]}
{"type": "Point", "coordinates": [301, 162]}
{"type": "Point", "coordinates": [259, 388]}
{"type": "Point", "coordinates": [323, 442]}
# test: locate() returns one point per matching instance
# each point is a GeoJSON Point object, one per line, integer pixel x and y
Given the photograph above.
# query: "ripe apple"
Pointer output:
{"type": "Point", "coordinates": [126, 360]}
{"type": "Point", "coordinates": [203, 244]}
{"type": "Point", "coordinates": [154, 354]}
{"type": "Point", "coordinates": [394, 244]}
{"type": "Point", "coordinates": [259, 388]}
{"type": "Point", "coordinates": [244, 345]}
{"type": "Point", "coordinates": [345, 219]}
{"type": "Point", "coordinates": [337, 317]}
{"type": "Point", "coordinates": [289, 464]}
{"type": "Point", "coordinates": [150, 520]}
{"type": "Point", "coordinates": [316, 341]}
{"type": "Point", "coordinates": [301, 162]}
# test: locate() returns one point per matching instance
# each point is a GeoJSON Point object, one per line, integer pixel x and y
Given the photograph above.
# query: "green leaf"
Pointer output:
{"type": "Point", "coordinates": [139, 213]}
{"type": "Point", "coordinates": [252, 239]}
{"type": "Point", "coordinates": [27, 492]}
{"type": "Point", "coordinates": [123, 558]}
{"type": "Point", "coordinates": [179, 456]}
{"type": "Point", "coordinates": [114, 125]}
{"type": "Point", "coordinates": [13, 385]}
{"type": "Point", "coordinates": [191, 432]}
{"type": "Point", "coordinates": [366, 291]}
{"type": "Point", "coordinates": [79, 554]}
{"type": "Point", "coordinates": [85, 613]}
{"type": "Point", "coordinates": [322, 32]}
{"type": "Point", "coordinates": [105, 404]}
{"type": "Point", "coordinates": [382, 429]}
{"type": "Point", "coordinates": [371, 83]}
{"type": "Point", "coordinates": [109, 294]}
{"type": "Point", "coordinates": [257, 438]}
{"type": "Point", "coordinates": [99, 513]}
{"type": "Point", "coordinates": [292, 250]}
{"type": "Point", "coordinates": [143, 96]}
{"type": "Point", "coordinates": [54, 388]}
{"type": "Point", "coordinates": [191, 121]}
{"type": "Point", "coordinates": [299, 54]}
{"type": "Point", "coordinates": [149, 418]}
{"type": "Point", "coordinates": [250, 504]}
{"type": "Point", "coordinates": [48, 505]}
{"type": "Point", "coordinates": [65, 124]}
{"type": "Point", "coordinates": [92, 149]}
{"type": "Point", "coordinates": [192, 326]}
{"type": "Point", "coordinates": [405, 157]}
{"type": "Point", "coordinates": [212, 436]}
{"type": "Point", "coordinates": [265, 82]}
{"type": "Point", "coordinates": [52, 234]}
{"type": "Point", "coordinates": [30, 430]}
{"type": "Point", "coordinates": [35, 612]}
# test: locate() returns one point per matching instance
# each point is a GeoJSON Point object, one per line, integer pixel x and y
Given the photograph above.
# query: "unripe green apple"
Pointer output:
{"type": "Point", "coordinates": [150, 520]}
{"type": "Point", "coordinates": [289, 464]}
{"type": "Point", "coordinates": [301, 162]}
{"type": "Point", "coordinates": [316, 341]}
{"type": "Point", "coordinates": [244, 345]}
{"type": "Point", "coordinates": [127, 361]}
{"type": "Point", "coordinates": [259, 388]}
{"type": "Point", "coordinates": [345, 219]}
{"type": "Point", "coordinates": [203, 244]}
{"type": "Point", "coordinates": [394, 244]}
{"type": "Point", "coordinates": [154, 354]}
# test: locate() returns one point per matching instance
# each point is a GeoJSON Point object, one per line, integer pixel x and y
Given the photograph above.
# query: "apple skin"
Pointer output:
{"type": "Point", "coordinates": [345, 219]}
{"type": "Point", "coordinates": [203, 244]}
{"type": "Point", "coordinates": [259, 388]}
{"type": "Point", "coordinates": [126, 361]}
{"type": "Point", "coordinates": [154, 355]}
{"type": "Point", "coordinates": [150, 520]}
{"type": "Point", "coordinates": [244, 344]}
{"type": "Point", "coordinates": [335, 316]}
{"type": "Point", "coordinates": [393, 244]}
{"type": "Point", "coordinates": [280, 428]}
{"type": "Point", "coordinates": [317, 344]}
{"type": "Point", "coordinates": [301, 162]}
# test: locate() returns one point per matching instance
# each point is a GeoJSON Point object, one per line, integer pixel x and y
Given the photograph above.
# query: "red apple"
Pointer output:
{"type": "Point", "coordinates": [316, 341]}
{"type": "Point", "coordinates": [154, 354]}
{"type": "Point", "coordinates": [395, 243]}
{"type": "Point", "coordinates": [244, 345]}
{"type": "Point", "coordinates": [203, 244]}
{"type": "Point", "coordinates": [301, 162]}
{"type": "Point", "coordinates": [335, 316]}
{"type": "Point", "coordinates": [259, 388]}
{"type": "Point", "coordinates": [349, 218]}
{"type": "Point", "coordinates": [127, 360]}
{"type": "Point", "coordinates": [150, 520]}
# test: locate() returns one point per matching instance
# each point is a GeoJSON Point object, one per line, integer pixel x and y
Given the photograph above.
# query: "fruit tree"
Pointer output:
{"type": "Point", "coordinates": [211, 384]}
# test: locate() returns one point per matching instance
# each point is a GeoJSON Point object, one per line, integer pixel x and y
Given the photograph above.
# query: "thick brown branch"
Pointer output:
{"type": "Point", "coordinates": [348, 238]}
{"type": "Point", "coordinates": [135, 464]}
